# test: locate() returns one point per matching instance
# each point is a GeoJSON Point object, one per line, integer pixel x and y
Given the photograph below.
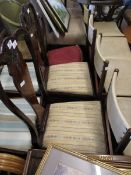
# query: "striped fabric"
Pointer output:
{"type": "Point", "coordinates": [125, 105]}
{"type": "Point", "coordinates": [76, 126]}
{"type": "Point", "coordinates": [7, 81]}
{"type": "Point", "coordinates": [107, 28]}
{"type": "Point", "coordinates": [13, 132]}
{"type": "Point", "coordinates": [70, 78]}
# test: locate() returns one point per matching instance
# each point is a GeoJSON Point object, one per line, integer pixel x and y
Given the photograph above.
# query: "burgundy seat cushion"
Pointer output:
{"type": "Point", "coordinates": [64, 55]}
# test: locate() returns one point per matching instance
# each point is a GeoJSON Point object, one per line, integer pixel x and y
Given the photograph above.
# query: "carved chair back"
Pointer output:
{"type": "Point", "coordinates": [18, 70]}
{"type": "Point", "coordinates": [35, 25]}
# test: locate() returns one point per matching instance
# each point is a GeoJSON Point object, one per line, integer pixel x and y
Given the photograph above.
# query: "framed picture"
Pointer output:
{"type": "Point", "coordinates": [44, 12]}
{"type": "Point", "coordinates": [53, 17]}
{"type": "Point", "coordinates": [60, 12]}
{"type": "Point", "coordinates": [59, 161]}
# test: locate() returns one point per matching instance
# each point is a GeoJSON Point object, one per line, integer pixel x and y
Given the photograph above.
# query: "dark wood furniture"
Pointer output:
{"type": "Point", "coordinates": [35, 25]}
{"type": "Point", "coordinates": [99, 4]}
{"type": "Point", "coordinates": [39, 51]}
{"type": "Point", "coordinates": [18, 69]}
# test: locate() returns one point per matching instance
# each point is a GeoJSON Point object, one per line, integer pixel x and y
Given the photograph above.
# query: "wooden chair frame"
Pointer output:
{"type": "Point", "coordinates": [19, 72]}
{"type": "Point", "coordinates": [125, 139]}
{"type": "Point", "coordinates": [12, 57]}
{"type": "Point", "coordinates": [42, 67]}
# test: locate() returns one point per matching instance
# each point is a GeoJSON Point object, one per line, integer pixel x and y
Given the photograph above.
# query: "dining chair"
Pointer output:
{"type": "Point", "coordinates": [21, 118]}
{"type": "Point", "coordinates": [78, 125]}
{"type": "Point", "coordinates": [123, 64]}
{"type": "Point", "coordinates": [65, 80]}
{"type": "Point", "coordinates": [7, 80]}
{"type": "Point", "coordinates": [111, 47]}
{"type": "Point", "coordinates": [118, 109]}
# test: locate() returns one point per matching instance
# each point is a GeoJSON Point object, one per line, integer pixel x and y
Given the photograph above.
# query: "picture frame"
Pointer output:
{"type": "Point", "coordinates": [53, 17]}
{"type": "Point", "coordinates": [60, 12]}
{"type": "Point", "coordinates": [60, 161]}
{"type": "Point", "coordinates": [53, 27]}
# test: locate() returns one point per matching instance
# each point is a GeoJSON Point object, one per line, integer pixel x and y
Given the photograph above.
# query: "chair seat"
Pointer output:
{"type": "Point", "coordinates": [65, 55]}
{"type": "Point", "coordinates": [123, 85]}
{"type": "Point", "coordinates": [76, 34]}
{"type": "Point", "coordinates": [13, 132]}
{"type": "Point", "coordinates": [76, 126]}
{"type": "Point", "coordinates": [115, 47]}
{"type": "Point", "coordinates": [107, 28]}
{"type": "Point", "coordinates": [7, 81]}
{"type": "Point", "coordinates": [71, 78]}
{"type": "Point", "coordinates": [125, 105]}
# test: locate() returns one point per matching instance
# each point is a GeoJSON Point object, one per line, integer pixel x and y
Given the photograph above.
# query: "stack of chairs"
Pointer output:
{"type": "Point", "coordinates": [37, 130]}
{"type": "Point", "coordinates": [115, 49]}
{"type": "Point", "coordinates": [74, 111]}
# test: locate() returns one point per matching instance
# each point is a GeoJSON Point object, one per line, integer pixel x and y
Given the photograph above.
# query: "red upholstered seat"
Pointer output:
{"type": "Point", "coordinates": [65, 55]}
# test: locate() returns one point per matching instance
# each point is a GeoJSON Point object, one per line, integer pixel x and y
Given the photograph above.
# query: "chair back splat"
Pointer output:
{"type": "Point", "coordinates": [119, 119]}
{"type": "Point", "coordinates": [91, 38]}
{"type": "Point", "coordinates": [100, 65]}
{"type": "Point", "coordinates": [33, 23]}
{"type": "Point", "coordinates": [36, 43]}
{"type": "Point", "coordinates": [18, 70]}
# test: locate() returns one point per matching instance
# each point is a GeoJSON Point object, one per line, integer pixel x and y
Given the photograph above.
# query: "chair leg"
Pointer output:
{"type": "Point", "coordinates": [123, 143]}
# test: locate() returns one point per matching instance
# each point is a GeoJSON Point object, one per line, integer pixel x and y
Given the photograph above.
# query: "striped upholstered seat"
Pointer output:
{"type": "Point", "coordinates": [7, 81]}
{"type": "Point", "coordinates": [70, 78]}
{"type": "Point", "coordinates": [14, 134]}
{"type": "Point", "coordinates": [76, 126]}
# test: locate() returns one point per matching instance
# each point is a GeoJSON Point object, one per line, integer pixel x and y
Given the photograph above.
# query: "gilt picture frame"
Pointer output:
{"type": "Point", "coordinates": [60, 161]}
{"type": "Point", "coordinates": [60, 12]}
